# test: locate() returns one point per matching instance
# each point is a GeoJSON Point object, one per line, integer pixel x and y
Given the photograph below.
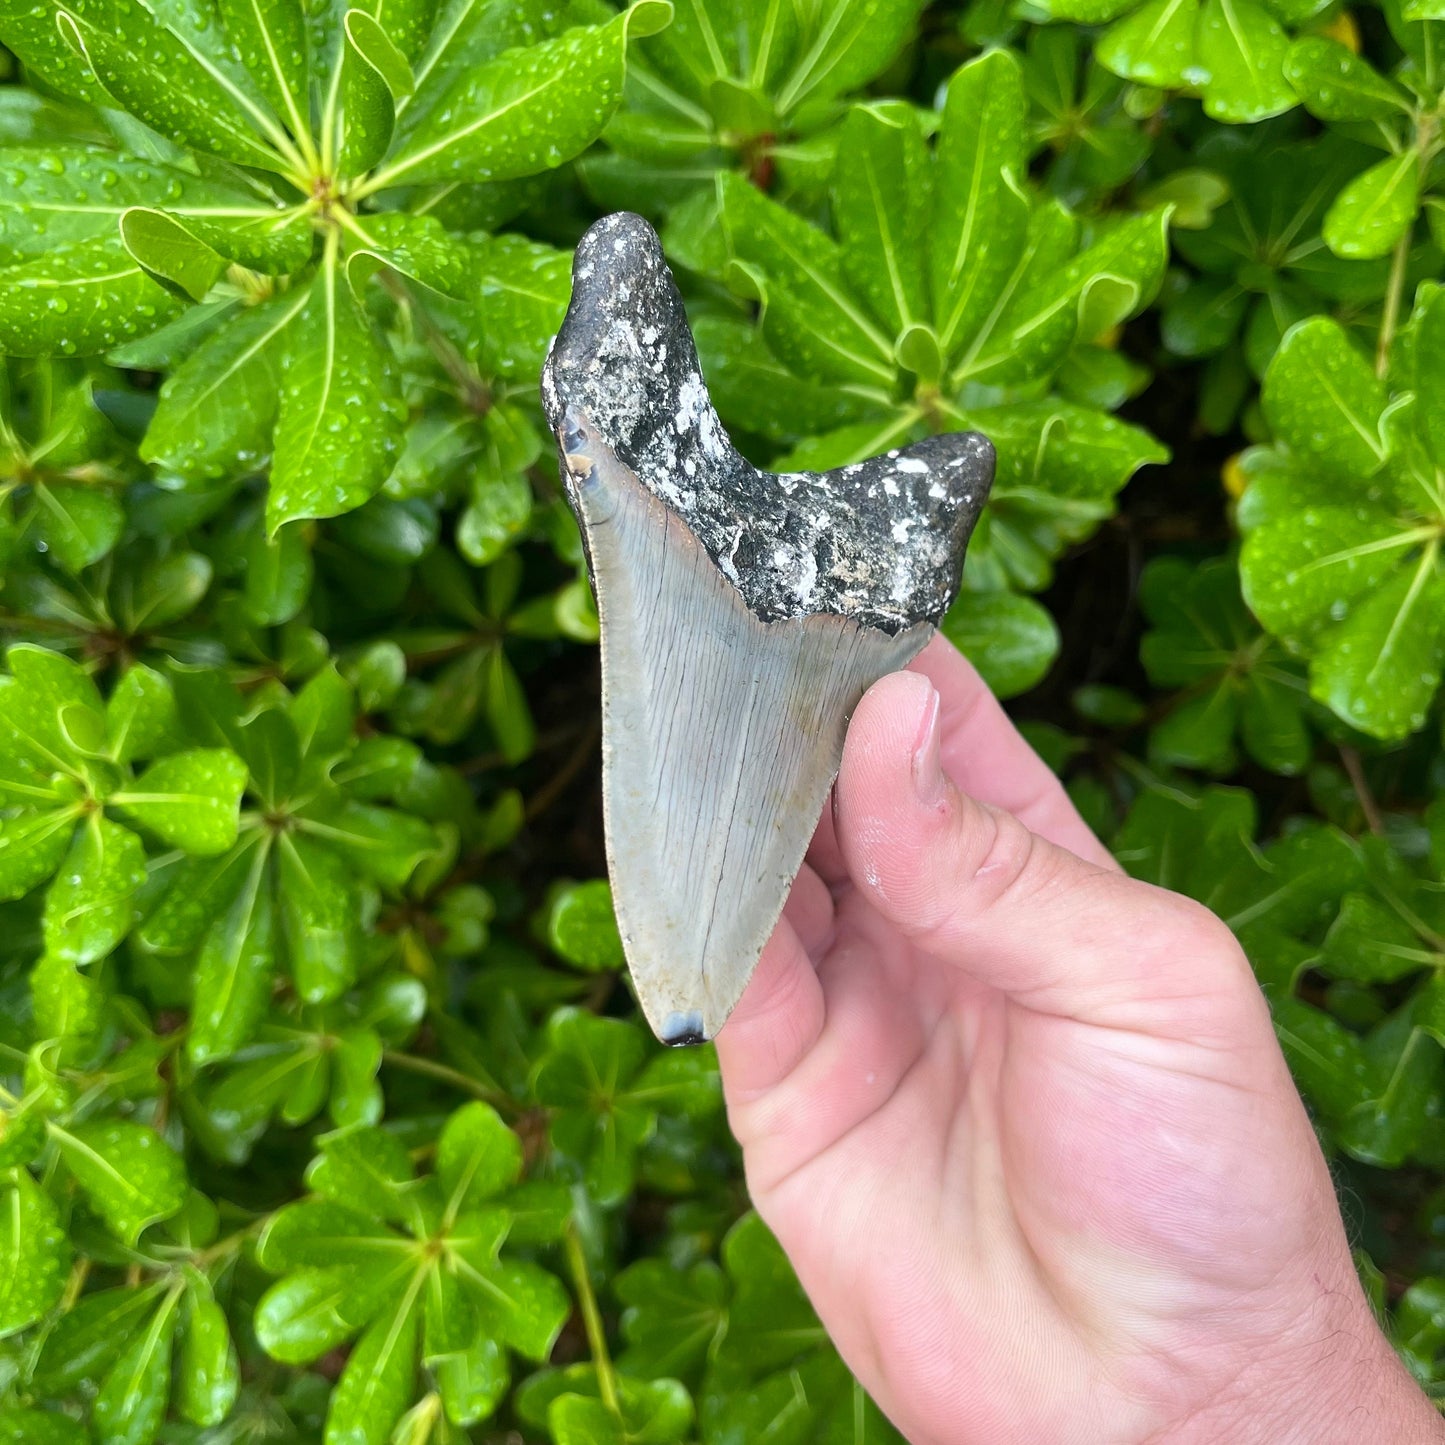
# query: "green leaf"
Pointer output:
{"type": "Point", "coordinates": [1063, 451]}
{"type": "Point", "coordinates": [270, 38]}
{"type": "Point", "coordinates": [582, 928]}
{"type": "Point", "coordinates": [381, 843]}
{"type": "Point", "coordinates": [208, 1373]}
{"type": "Point", "coordinates": [507, 710]}
{"type": "Point", "coordinates": [1381, 667]}
{"type": "Point", "coordinates": [42, 689]}
{"type": "Point", "coordinates": [470, 1371]}
{"type": "Point", "coordinates": [31, 33]}
{"type": "Point", "coordinates": [135, 1393]}
{"type": "Point", "coordinates": [339, 427]}
{"type": "Point", "coordinates": [77, 525]}
{"type": "Point", "coordinates": [160, 78]}
{"type": "Point", "coordinates": [417, 247]}
{"type": "Point", "coordinates": [1376, 209]}
{"type": "Point", "coordinates": [191, 431]}
{"type": "Point", "coordinates": [527, 111]}
{"type": "Point", "coordinates": [355, 1093]}
{"type": "Point", "coordinates": [810, 318]}
{"type": "Point", "coordinates": [190, 800]}
{"type": "Point", "coordinates": [129, 1175]}
{"type": "Point", "coordinates": [319, 910]}
{"type": "Point", "coordinates": [521, 1304]}
{"type": "Point", "coordinates": [1430, 369]}
{"type": "Point", "coordinates": [1303, 573]}
{"type": "Point", "coordinates": [88, 909]}
{"type": "Point", "coordinates": [1371, 943]}
{"type": "Point", "coordinates": [880, 211]}
{"type": "Point", "coordinates": [313, 1310]}
{"type": "Point", "coordinates": [1407, 1067]}
{"type": "Point", "coordinates": [1010, 639]}
{"type": "Point", "coordinates": [89, 1335]}
{"type": "Point", "coordinates": [1099, 288]}
{"type": "Point", "coordinates": [62, 194]}
{"type": "Point", "coordinates": [177, 259]}
{"type": "Point", "coordinates": [197, 891]}
{"type": "Point", "coordinates": [79, 299]}
{"type": "Point", "coordinates": [377, 1384]}
{"type": "Point", "coordinates": [576, 1420]}
{"type": "Point", "coordinates": [32, 846]}
{"type": "Point", "coordinates": [365, 1169]}
{"type": "Point", "coordinates": [477, 1157]}
{"type": "Point", "coordinates": [1324, 401]}
{"type": "Point", "coordinates": [278, 572]}
{"type": "Point", "coordinates": [1155, 45]}
{"type": "Point", "coordinates": [498, 512]}
{"type": "Point", "coordinates": [323, 712]}
{"type": "Point", "coordinates": [521, 290]}
{"type": "Point", "coordinates": [40, 1427]}
{"type": "Point", "coordinates": [1242, 48]}
{"type": "Point", "coordinates": [981, 215]}
{"type": "Point", "coordinates": [376, 47]}
{"type": "Point", "coordinates": [366, 114]}
{"type": "Point", "coordinates": [34, 1253]}
{"type": "Point", "coordinates": [672, 1319]}
{"type": "Point", "coordinates": [850, 41]}
{"type": "Point", "coordinates": [235, 965]}
{"type": "Point", "coordinates": [1336, 84]}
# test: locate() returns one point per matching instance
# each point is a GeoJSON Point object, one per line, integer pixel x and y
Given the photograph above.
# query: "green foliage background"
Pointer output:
{"type": "Point", "coordinates": [325, 1112]}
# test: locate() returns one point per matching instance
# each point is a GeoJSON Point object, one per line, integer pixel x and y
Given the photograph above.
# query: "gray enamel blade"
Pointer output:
{"type": "Point", "coordinates": [743, 615]}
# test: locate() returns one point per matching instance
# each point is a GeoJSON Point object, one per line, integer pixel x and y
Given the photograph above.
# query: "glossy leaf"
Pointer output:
{"type": "Point", "coordinates": [235, 963]}
{"type": "Point", "coordinates": [270, 39]}
{"type": "Point", "coordinates": [88, 909]}
{"type": "Point", "coordinates": [135, 1393]}
{"type": "Point", "coordinates": [339, 425]}
{"type": "Point", "coordinates": [150, 71]}
{"type": "Point", "coordinates": [129, 1175]}
{"type": "Point", "coordinates": [1370, 215]}
{"type": "Point", "coordinates": [319, 910]}
{"type": "Point", "coordinates": [79, 299]}
{"type": "Point", "coordinates": [208, 1375]}
{"type": "Point", "coordinates": [170, 253]}
{"type": "Point", "coordinates": [532, 109]}
{"type": "Point", "coordinates": [1242, 49]}
{"type": "Point", "coordinates": [34, 1253]}
{"type": "Point", "coordinates": [189, 800]}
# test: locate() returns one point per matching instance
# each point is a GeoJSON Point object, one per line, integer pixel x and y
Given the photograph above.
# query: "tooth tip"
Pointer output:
{"type": "Point", "coordinates": [679, 1029]}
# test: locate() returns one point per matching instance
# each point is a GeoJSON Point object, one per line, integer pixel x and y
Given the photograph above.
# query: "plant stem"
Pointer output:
{"type": "Point", "coordinates": [592, 1319]}
{"type": "Point", "coordinates": [476, 395]}
{"type": "Point", "coordinates": [1394, 290]}
{"type": "Point", "coordinates": [1350, 757]}
{"type": "Point", "coordinates": [444, 1073]}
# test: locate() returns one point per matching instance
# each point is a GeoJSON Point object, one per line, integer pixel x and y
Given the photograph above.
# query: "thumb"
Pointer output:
{"type": "Point", "coordinates": [970, 885]}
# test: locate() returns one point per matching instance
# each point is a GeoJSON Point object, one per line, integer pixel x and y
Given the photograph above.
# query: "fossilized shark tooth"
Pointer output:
{"type": "Point", "coordinates": [743, 614]}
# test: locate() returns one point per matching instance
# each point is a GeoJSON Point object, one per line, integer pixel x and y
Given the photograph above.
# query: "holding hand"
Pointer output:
{"type": "Point", "coordinates": [1022, 1125]}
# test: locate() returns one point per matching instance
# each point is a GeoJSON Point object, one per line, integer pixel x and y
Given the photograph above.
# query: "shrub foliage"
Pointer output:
{"type": "Point", "coordinates": [325, 1113]}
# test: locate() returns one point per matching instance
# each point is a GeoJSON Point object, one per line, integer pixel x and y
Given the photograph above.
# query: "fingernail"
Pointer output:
{"type": "Point", "coordinates": [928, 780]}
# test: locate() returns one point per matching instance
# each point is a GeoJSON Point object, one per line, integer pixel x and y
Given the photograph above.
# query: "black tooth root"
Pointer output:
{"type": "Point", "coordinates": [880, 542]}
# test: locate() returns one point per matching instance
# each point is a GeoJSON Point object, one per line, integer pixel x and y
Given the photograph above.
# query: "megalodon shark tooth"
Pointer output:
{"type": "Point", "coordinates": [743, 615]}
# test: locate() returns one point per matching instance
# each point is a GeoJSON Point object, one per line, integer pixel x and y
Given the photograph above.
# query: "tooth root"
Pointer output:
{"type": "Point", "coordinates": [722, 735]}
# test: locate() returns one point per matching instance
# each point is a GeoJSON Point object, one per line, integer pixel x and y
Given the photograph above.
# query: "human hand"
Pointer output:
{"type": "Point", "coordinates": [1022, 1126]}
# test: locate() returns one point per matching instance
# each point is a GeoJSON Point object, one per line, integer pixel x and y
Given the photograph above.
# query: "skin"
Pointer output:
{"type": "Point", "coordinates": [1022, 1125]}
